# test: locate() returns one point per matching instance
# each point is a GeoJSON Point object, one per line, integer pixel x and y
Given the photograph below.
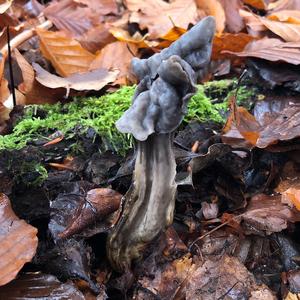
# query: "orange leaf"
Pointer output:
{"type": "Point", "coordinates": [214, 8]}
{"type": "Point", "coordinates": [229, 42]}
{"type": "Point", "coordinates": [118, 56]}
{"type": "Point", "coordinates": [293, 195]}
{"type": "Point", "coordinates": [259, 4]}
{"type": "Point", "coordinates": [18, 242]}
{"type": "Point", "coordinates": [66, 54]}
{"type": "Point", "coordinates": [290, 16]}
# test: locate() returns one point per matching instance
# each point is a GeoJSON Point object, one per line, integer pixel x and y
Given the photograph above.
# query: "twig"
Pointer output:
{"type": "Point", "coordinates": [11, 75]}
{"type": "Point", "coordinates": [24, 36]}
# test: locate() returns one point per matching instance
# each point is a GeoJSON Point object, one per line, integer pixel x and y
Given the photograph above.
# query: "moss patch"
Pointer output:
{"type": "Point", "coordinates": [100, 114]}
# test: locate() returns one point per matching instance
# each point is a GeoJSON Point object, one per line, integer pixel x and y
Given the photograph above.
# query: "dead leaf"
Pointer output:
{"type": "Point", "coordinates": [258, 4]}
{"type": "Point", "coordinates": [69, 16]}
{"type": "Point", "coordinates": [253, 22]}
{"type": "Point", "coordinates": [229, 42]}
{"type": "Point", "coordinates": [4, 91]}
{"type": "Point", "coordinates": [18, 242]}
{"type": "Point", "coordinates": [101, 7]}
{"type": "Point", "coordinates": [226, 278]}
{"type": "Point", "coordinates": [234, 22]}
{"type": "Point", "coordinates": [39, 286]}
{"type": "Point", "coordinates": [99, 204]}
{"type": "Point", "coordinates": [272, 50]}
{"type": "Point", "coordinates": [160, 16]}
{"type": "Point", "coordinates": [66, 55]}
{"type": "Point", "coordinates": [269, 214]}
{"type": "Point", "coordinates": [292, 195]}
{"type": "Point", "coordinates": [117, 55]}
{"type": "Point", "coordinates": [34, 92]}
{"type": "Point", "coordinates": [214, 8]}
{"type": "Point", "coordinates": [92, 80]}
{"type": "Point", "coordinates": [5, 5]}
{"type": "Point", "coordinates": [284, 4]}
{"type": "Point", "coordinates": [289, 16]}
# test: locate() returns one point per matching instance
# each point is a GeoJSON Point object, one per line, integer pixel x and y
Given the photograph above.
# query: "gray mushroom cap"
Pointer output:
{"type": "Point", "coordinates": [168, 80]}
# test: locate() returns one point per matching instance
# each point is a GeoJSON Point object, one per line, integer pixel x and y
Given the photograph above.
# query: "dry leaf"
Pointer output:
{"type": "Point", "coordinates": [34, 92]}
{"type": "Point", "coordinates": [268, 213]}
{"type": "Point", "coordinates": [254, 25]}
{"type": "Point", "coordinates": [290, 16]}
{"type": "Point", "coordinates": [292, 195]}
{"type": "Point", "coordinates": [117, 55]}
{"type": "Point", "coordinates": [234, 22]}
{"type": "Point", "coordinates": [66, 55]}
{"type": "Point", "coordinates": [272, 50]}
{"type": "Point", "coordinates": [229, 42]}
{"type": "Point", "coordinates": [214, 8]}
{"type": "Point", "coordinates": [101, 7]}
{"type": "Point", "coordinates": [69, 16]}
{"type": "Point", "coordinates": [4, 91]}
{"type": "Point", "coordinates": [18, 242]}
{"type": "Point", "coordinates": [92, 80]}
{"type": "Point", "coordinates": [284, 4]}
{"type": "Point", "coordinates": [259, 4]}
{"type": "Point", "coordinates": [5, 5]}
{"type": "Point", "coordinates": [160, 16]}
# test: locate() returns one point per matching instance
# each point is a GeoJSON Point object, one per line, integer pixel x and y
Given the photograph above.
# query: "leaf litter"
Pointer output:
{"type": "Point", "coordinates": [235, 230]}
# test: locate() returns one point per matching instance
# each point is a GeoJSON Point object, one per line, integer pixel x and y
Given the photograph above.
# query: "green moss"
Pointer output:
{"type": "Point", "coordinates": [210, 103]}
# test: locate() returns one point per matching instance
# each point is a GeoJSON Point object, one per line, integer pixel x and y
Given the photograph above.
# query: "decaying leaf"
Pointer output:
{"type": "Point", "coordinates": [18, 242]}
{"type": "Point", "coordinates": [292, 196]}
{"type": "Point", "coordinates": [66, 55]}
{"type": "Point", "coordinates": [226, 278]}
{"type": "Point", "coordinates": [269, 214]}
{"type": "Point", "coordinates": [69, 16]}
{"type": "Point", "coordinates": [92, 80]}
{"type": "Point", "coordinates": [39, 286]}
{"type": "Point", "coordinates": [160, 16]}
{"type": "Point", "coordinates": [5, 5]}
{"type": "Point", "coordinates": [272, 50]}
{"type": "Point", "coordinates": [117, 55]}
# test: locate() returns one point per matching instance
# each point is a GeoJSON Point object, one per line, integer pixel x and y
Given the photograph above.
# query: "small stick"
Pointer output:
{"type": "Point", "coordinates": [11, 75]}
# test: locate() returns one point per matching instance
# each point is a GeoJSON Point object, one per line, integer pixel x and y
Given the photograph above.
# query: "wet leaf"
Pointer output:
{"type": "Point", "coordinates": [5, 5]}
{"type": "Point", "coordinates": [31, 286]}
{"type": "Point", "coordinates": [92, 80]}
{"type": "Point", "coordinates": [117, 55]}
{"type": "Point", "coordinates": [18, 242]}
{"type": "Point", "coordinates": [269, 214]}
{"type": "Point", "coordinates": [214, 8]}
{"type": "Point", "coordinates": [69, 16]}
{"type": "Point", "coordinates": [272, 50]}
{"type": "Point", "coordinates": [66, 55]}
{"type": "Point", "coordinates": [160, 16]}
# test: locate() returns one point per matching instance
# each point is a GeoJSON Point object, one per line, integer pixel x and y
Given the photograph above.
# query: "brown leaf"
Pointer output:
{"type": "Point", "coordinates": [259, 4]}
{"type": "Point", "coordinates": [34, 92]}
{"type": "Point", "coordinates": [272, 50]}
{"type": "Point", "coordinates": [101, 7]}
{"type": "Point", "coordinates": [5, 5]}
{"type": "Point", "coordinates": [99, 204]}
{"type": "Point", "coordinates": [226, 278]}
{"type": "Point", "coordinates": [268, 213]}
{"type": "Point", "coordinates": [18, 242]}
{"type": "Point", "coordinates": [234, 22]}
{"type": "Point", "coordinates": [254, 24]}
{"type": "Point", "coordinates": [284, 4]}
{"type": "Point", "coordinates": [117, 55]}
{"type": "Point", "coordinates": [229, 42]}
{"type": "Point", "coordinates": [92, 80]}
{"type": "Point", "coordinates": [4, 91]}
{"type": "Point", "coordinates": [214, 8]}
{"type": "Point", "coordinates": [292, 195]}
{"type": "Point", "coordinates": [69, 16]}
{"type": "Point", "coordinates": [39, 286]}
{"type": "Point", "coordinates": [290, 16]}
{"type": "Point", "coordinates": [159, 16]}
{"type": "Point", "coordinates": [66, 55]}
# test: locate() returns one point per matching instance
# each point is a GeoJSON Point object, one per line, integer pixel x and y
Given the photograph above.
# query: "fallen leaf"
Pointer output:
{"type": "Point", "coordinates": [258, 4]}
{"type": "Point", "coordinates": [99, 204]}
{"type": "Point", "coordinates": [269, 214]}
{"type": "Point", "coordinates": [5, 5]}
{"type": "Point", "coordinates": [101, 7]}
{"type": "Point", "coordinates": [69, 16]}
{"type": "Point", "coordinates": [4, 91]}
{"type": "Point", "coordinates": [92, 80]}
{"type": "Point", "coordinates": [117, 55]}
{"type": "Point", "coordinates": [18, 242]}
{"type": "Point", "coordinates": [272, 50]}
{"type": "Point", "coordinates": [34, 92]}
{"type": "Point", "coordinates": [234, 22]}
{"type": "Point", "coordinates": [284, 4]}
{"type": "Point", "coordinates": [229, 42]}
{"type": "Point", "coordinates": [253, 22]}
{"type": "Point", "coordinates": [159, 16]}
{"type": "Point", "coordinates": [290, 16]}
{"type": "Point", "coordinates": [66, 54]}
{"type": "Point", "coordinates": [226, 278]}
{"type": "Point", "coordinates": [39, 286]}
{"type": "Point", "coordinates": [214, 8]}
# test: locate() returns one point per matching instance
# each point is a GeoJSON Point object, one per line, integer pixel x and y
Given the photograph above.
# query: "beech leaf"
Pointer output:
{"type": "Point", "coordinates": [18, 242]}
{"type": "Point", "coordinates": [5, 5]}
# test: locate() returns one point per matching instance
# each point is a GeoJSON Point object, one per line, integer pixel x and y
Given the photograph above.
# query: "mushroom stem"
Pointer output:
{"type": "Point", "coordinates": [149, 203]}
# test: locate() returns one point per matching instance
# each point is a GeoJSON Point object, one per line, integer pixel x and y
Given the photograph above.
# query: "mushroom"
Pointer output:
{"type": "Point", "coordinates": [167, 81]}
